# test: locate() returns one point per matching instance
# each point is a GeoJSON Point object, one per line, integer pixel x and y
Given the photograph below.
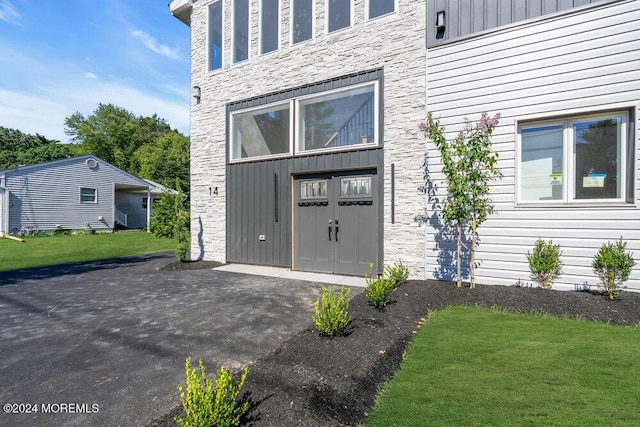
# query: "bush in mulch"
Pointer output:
{"type": "Point", "coordinates": [314, 380]}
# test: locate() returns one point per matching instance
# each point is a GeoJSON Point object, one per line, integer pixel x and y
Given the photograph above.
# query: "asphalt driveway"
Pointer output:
{"type": "Point", "coordinates": [104, 343]}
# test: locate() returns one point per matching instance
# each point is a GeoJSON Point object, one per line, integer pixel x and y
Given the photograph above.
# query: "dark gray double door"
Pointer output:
{"type": "Point", "coordinates": [336, 222]}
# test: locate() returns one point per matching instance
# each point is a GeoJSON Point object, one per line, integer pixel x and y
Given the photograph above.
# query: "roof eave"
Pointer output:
{"type": "Point", "coordinates": [181, 9]}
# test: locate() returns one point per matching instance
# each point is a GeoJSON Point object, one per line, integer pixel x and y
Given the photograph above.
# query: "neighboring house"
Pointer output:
{"type": "Point", "coordinates": [306, 152]}
{"type": "Point", "coordinates": [79, 193]}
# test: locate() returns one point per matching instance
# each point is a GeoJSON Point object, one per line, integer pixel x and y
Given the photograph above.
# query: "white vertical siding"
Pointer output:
{"type": "Point", "coordinates": [584, 62]}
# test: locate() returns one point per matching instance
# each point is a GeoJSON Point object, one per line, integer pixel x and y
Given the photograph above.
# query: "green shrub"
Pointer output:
{"type": "Point", "coordinates": [397, 272]}
{"type": "Point", "coordinates": [544, 263]}
{"type": "Point", "coordinates": [378, 291]}
{"type": "Point", "coordinates": [613, 266]}
{"type": "Point", "coordinates": [332, 313]}
{"type": "Point", "coordinates": [206, 405]}
{"type": "Point", "coordinates": [163, 217]}
{"type": "Point", "coordinates": [183, 235]}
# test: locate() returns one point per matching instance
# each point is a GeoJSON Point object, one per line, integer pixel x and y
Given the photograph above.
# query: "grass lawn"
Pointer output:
{"type": "Point", "coordinates": [44, 251]}
{"type": "Point", "coordinates": [470, 366]}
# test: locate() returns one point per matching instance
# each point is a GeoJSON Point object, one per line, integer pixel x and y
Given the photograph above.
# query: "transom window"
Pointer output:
{"type": "Point", "coordinates": [302, 21]}
{"type": "Point", "coordinates": [269, 25]}
{"type": "Point", "coordinates": [376, 8]}
{"type": "Point", "coordinates": [215, 36]}
{"type": "Point", "coordinates": [574, 160]}
{"type": "Point", "coordinates": [88, 195]}
{"type": "Point", "coordinates": [341, 119]}
{"type": "Point", "coordinates": [338, 14]}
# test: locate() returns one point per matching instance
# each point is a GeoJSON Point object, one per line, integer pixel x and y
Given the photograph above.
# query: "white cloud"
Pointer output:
{"type": "Point", "coordinates": [152, 44]}
{"type": "Point", "coordinates": [90, 75]}
{"type": "Point", "coordinates": [9, 13]}
{"type": "Point", "coordinates": [44, 112]}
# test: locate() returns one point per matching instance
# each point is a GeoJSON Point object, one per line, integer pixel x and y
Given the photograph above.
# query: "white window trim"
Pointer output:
{"type": "Point", "coordinates": [289, 153]}
{"type": "Point", "coordinates": [313, 25]}
{"type": "Point", "coordinates": [326, 14]}
{"type": "Point", "coordinates": [294, 106]}
{"type": "Point", "coordinates": [209, 58]}
{"type": "Point", "coordinates": [376, 119]}
{"type": "Point", "coordinates": [366, 11]}
{"type": "Point", "coordinates": [260, 29]}
{"type": "Point", "coordinates": [233, 32]}
{"type": "Point", "coordinates": [95, 195]}
{"type": "Point", "coordinates": [568, 160]}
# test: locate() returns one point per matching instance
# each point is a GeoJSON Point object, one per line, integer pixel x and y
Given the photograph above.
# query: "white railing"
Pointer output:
{"type": "Point", "coordinates": [121, 217]}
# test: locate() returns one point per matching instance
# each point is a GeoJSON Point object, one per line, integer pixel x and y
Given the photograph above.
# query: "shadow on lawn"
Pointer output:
{"type": "Point", "coordinates": [16, 276]}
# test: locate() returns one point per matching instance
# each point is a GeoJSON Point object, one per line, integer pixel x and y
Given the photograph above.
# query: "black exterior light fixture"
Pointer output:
{"type": "Point", "coordinates": [440, 24]}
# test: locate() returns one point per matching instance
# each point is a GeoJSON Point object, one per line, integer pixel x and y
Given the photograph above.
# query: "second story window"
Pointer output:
{"type": "Point", "coordinates": [377, 8]}
{"type": "Point", "coordinates": [215, 36]}
{"type": "Point", "coordinates": [338, 15]}
{"type": "Point", "coordinates": [302, 18]}
{"type": "Point", "coordinates": [240, 30]}
{"type": "Point", "coordinates": [269, 25]}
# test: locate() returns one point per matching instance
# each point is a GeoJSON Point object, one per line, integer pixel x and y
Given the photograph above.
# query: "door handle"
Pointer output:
{"type": "Point", "coordinates": [337, 228]}
{"type": "Point", "coordinates": [329, 233]}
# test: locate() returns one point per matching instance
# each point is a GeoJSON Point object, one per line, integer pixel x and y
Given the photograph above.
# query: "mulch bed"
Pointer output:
{"type": "Point", "coordinates": [312, 380]}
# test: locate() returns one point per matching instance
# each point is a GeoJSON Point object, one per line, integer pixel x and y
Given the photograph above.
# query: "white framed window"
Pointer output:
{"type": "Point", "coordinates": [581, 159]}
{"type": "Point", "coordinates": [269, 25]}
{"type": "Point", "coordinates": [215, 35]}
{"type": "Point", "coordinates": [377, 8]}
{"type": "Point", "coordinates": [338, 14]}
{"type": "Point", "coordinates": [240, 31]}
{"type": "Point", "coordinates": [88, 195]}
{"type": "Point", "coordinates": [338, 119]}
{"type": "Point", "coordinates": [261, 132]}
{"type": "Point", "coordinates": [302, 21]}
{"type": "Point", "coordinates": [345, 118]}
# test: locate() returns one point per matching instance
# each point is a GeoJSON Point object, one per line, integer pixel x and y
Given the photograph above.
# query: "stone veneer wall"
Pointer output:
{"type": "Point", "coordinates": [395, 42]}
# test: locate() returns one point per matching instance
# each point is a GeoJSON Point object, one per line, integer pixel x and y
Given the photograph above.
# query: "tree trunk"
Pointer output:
{"type": "Point", "coordinates": [459, 255]}
{"type": "Point", "coordinates": [473, 252]}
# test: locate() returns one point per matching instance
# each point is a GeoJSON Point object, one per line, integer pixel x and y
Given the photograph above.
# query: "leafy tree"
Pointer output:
{"type": "Point", "coordinates": [456, 207]}
{"type": "Point", "coordinates": [114, 134]}
{"type": "Point", "coordinates": [171, 218]}
{"type": "Point", "coordinates": [469, 165]}
{"type": "Point", "coordinates": [17, 148]}
{"type": "Point", "coordinates": [481, 170]}
{"type": "Point", "coordinates": [164, 160]}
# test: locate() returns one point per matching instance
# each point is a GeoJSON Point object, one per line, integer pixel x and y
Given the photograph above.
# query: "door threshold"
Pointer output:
{"type": "Point", "coordinates": [286, 273]}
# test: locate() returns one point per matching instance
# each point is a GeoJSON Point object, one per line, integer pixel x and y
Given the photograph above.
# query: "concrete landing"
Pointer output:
{"type": "Point", "coordinates": [285, 273]}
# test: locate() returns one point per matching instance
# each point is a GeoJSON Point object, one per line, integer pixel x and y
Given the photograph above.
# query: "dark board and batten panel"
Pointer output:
{"type": "Point", "coordinates": [466, 17]}
{"type": "Point", "coordinates": [257, 206]}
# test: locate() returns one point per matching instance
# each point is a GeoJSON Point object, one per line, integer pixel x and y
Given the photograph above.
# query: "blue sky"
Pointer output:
{"type": "Point", "coordinates": [59, 57]}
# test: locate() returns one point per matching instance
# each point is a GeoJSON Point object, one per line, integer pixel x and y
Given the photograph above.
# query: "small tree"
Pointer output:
{"type": "Point", "coordinates": [469, 165]}
{"type": "Point", "coordinates": [613, 266]}
{"type": "Point", "coordinates": [456, 208]}
{"type": "Point", "coordinates": [544, 263]}
{"type": "Point", "coordinates": [481, 170]}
